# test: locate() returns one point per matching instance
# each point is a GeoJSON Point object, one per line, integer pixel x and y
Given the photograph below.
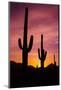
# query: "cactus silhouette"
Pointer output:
{"type": "Point", "coordinates": [42, 57]}
{"type": "Point", "coordinates": [54, 60]}
{"type": "Point", "coordinates": [25, 48]}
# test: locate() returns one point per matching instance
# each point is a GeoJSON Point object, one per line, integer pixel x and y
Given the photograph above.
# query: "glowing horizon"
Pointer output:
{"type": "Point", "coordinates": [42, 19]}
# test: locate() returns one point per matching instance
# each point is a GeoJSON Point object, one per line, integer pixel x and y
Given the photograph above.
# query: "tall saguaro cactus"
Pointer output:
{"type": "Point", "coordinates": [42, 57]}
{"type": "Point", "coordinates": [25, 48]}
{"type": "Point", "coordinates": [54, 60]}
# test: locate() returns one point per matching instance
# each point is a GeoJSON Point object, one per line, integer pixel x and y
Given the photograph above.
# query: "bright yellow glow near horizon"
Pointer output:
{"type": "Point", "coordinates": [34, 61]}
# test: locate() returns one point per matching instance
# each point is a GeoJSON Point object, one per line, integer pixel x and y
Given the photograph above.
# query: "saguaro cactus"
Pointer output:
{"type": "Point", "coordinates": [25, 48]}
{"type": "Point", "coordinates": [54, 60]}
{"type": "Point", "coordinates": [42, 57]}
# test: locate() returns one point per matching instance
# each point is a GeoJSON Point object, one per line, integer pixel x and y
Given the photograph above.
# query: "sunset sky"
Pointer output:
{"type": "Point", "coordinates": [42, 19]}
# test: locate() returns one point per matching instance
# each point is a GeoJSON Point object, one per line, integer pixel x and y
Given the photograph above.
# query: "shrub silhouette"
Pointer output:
{"type": "Point", "coordinates": [25, 49]}
{"type": "Point", "coordinates": [42, 57]}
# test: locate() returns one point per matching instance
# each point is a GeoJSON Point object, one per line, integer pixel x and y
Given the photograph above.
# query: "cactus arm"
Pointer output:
{"type": "Point", "coordinates": [19, 43]}
{"type": "Point", "coordinates": [45, 54]}
{"type": "Point", "coordinates": [39, 53]}
{"type": "Point", "coordinates": [30, 44]}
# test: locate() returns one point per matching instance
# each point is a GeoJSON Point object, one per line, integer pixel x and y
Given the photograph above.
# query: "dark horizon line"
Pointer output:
{"type": "Point", "coordinates": [32, 65]}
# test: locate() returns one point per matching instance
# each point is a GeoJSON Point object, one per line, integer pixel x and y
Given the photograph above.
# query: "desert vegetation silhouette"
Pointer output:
{"type": "Point", "coordinates": [25, 48]}
{"type": "Point", "coordinates": [54, 60]}
{"type": "Point", "coordinates": [43, 54]}
{"type": "Point", "coordinates": [22, 75]}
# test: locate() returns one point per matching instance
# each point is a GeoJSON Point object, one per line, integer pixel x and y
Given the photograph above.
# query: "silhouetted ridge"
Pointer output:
{"type": "Point", "coordinates": [21, 76]}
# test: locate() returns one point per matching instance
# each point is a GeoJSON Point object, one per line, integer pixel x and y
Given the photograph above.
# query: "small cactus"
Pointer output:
{"type": "Point", "coordinates": [54, 60]}
{"type": "Point", "coordinates": [42, 57]}
{"type": "Point", "coordinates": [25, 49]}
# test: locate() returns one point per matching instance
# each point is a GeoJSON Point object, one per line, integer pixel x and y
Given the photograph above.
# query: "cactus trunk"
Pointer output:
{"type": "Point", "coordinates": [25, 57]}
{"type": "Point", "coordinates": [25, 48]}
{"type": "Point", "coordinates": [42, 64]}
{"type": "Point", "coordinates": [24, 51]}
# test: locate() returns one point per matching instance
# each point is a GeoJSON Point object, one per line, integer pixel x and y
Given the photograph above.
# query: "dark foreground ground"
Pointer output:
{"type": "Point", "coordinates": [29, 76]}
